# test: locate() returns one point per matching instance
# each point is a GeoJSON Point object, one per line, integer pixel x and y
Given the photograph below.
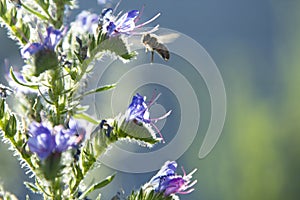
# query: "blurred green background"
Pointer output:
{"type": "Point", "coordinates": [256, 45]}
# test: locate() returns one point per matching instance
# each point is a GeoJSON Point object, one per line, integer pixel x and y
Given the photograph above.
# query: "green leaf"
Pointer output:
{"type": "Point", "coordinates": [140, 132]}
{"type": "Point", "coordinates": [115, 45]}
{"type": "Point", "coordinates": [85, 117]}
{"type": "Point", "coordinates": [32, 187]}
{"type": "Point", "coordinates": [36, 13]}
{"type": "Point", "coordinates": [26, 31]}
{"type": "Point", "coordinates": [11, 127]}
{"type": "Point", "coordinates": [97, 186]}
{"type": "Point", "coordinates": [2, 106]}
{"type": "Point", "coordinates": [3, 8]}
{"type": "Point", "coordinates": [20, 83]}
{"type": "Point", "coordinates": [87, 157]}
{"type": "Point", "coordinates": [77, 171]}
{"type": "Point", "coordinates": [100, 89]}
{"type": "Point", "coordinates": [98, 197]}
{"type": "Point", "coordinates": [104, 88]}
{"type": "Point", "coordinates": [13, 16]}
{"type": "Point", "coordinates": [149, 195]}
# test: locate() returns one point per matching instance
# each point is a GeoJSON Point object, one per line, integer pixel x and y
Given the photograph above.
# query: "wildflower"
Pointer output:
{"type": "Point", "coordinates": [168, 182]}
{"type": "Point", "coordinates": [138, 111]}
{"type": "Point", "coordinates": [86, 22]}
{"type": "Point", "coordinates": [44, 56]}
{"type": "Point", "coordinates": [126, 24]}
{"type": "Point", "coordinates": [41, 141]}
{"type": "Point", "coordinates": [48, 43]}
{"type": "Point", "coordinates": [45, 140]}
{"type": "Point", "coordinates": [66, 138]}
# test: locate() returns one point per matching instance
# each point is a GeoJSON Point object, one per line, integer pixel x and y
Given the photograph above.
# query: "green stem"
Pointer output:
{"type": "Point", "coordinates": [97, 145]}
{"type": "Point", "coordinates": [60, 9]}
{"type": "Point", "coordinates": [36, 13]}
{"type": "Point", "coordinates": [57, 89]}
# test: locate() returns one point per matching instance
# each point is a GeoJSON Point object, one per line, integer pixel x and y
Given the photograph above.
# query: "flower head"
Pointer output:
{"type": "Point", "coordinates": [86, 22]}
{"type": "Point", "coordinates": [48, 43]}
{"type": "Point", "coordinates": [168, 182]}
{"type": "Point", "coordinates": [126, 24]}
{"type": "Point", "coordinates": [66, 138]}
{"type": "Point", "coordinates": [138, 111]}
{"type": "Point", "coordinates": [45, 140]}
{"type": "Point", "coordinates": [44, 56]}
{"type": "Point", "coordinates": [41, 141]}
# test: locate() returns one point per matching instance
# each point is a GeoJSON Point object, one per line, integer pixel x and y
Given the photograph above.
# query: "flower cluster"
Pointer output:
{"type": "Point", "coordinates": [47, 96]}
{"type": "Point", "coordinates": [46, 140]}
{"type": "Point", "coordinates": [126, 24]}
{"type": "Point", "coordinates": [168, 182]}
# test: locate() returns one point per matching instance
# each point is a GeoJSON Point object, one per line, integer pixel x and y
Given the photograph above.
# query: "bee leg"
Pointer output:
{"type": "Point", "coordinates": [152, 56]}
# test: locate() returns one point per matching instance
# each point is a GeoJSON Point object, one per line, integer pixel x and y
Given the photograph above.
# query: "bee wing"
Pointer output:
{"type": "Point", "coordinates": [136, 43]}
{"type": "Point", "coordinates": [167, 38]}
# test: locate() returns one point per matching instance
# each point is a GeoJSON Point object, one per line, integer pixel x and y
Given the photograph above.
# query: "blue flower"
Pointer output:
{"type": "Point", "coordinates": [86, 22]}
{"type": "Point", "coordinates": [168, 182]}
{"type": "Point", "coordinates": [48, 43]}
{"type": "Point", "coordinates": [138, 111]}
{"type": "Point", "coordinates": [45, 140]}
{"type": "Point", "coordinates": [66, 138]}
{"type": "Point", "coordinates": [126, 24]}
{"type": "Point", "coordinates": [41, 141]}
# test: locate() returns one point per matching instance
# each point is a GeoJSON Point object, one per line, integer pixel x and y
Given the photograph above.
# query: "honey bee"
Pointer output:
{"type": "Point", "coordinates": [152, 44]}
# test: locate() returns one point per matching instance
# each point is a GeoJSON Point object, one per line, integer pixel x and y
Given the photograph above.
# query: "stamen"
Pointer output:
{"type": "Point", "coordinates": [116, 7]}
{"type": "Point", "coordinates": [149, 21]}
{"type": "Point", "coordinates": [140, 14]}
{"type": "Point", "coordinates": [163, 140]}
{"type": "Point", "coordinates": [162, 117]}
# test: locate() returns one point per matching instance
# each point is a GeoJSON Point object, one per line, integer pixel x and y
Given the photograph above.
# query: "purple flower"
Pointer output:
{"type": "Point", "coordinates": [138, 111]}
{"type": "Point", "coordinates": [86, 22]}
{"type": "Point", "coordinates": [168, 182]}
{"type": "Point", "coordinates": [45, 140]}
{"type": "Point", "coordinates": [48, 43]}
{"type": "Point", "coordinates": [126, 24]}
{"type": "Point", "coordinates": [66, 138]}
{"type": "Point", "coordinates": [41, 141]}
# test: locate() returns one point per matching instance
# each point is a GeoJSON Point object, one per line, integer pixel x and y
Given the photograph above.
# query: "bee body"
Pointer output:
{"type": "Point", "coordinates": [152, 44]}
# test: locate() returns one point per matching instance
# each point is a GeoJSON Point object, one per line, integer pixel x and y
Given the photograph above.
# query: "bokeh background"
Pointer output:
{"type": "Point", "coordinates": [256, 46]}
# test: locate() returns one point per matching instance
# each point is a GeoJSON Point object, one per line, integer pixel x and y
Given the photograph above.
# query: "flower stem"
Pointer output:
{"type": "Point", "coordinates": [36, 13]}
{"type": "Point", "coordinates": [60, 9]}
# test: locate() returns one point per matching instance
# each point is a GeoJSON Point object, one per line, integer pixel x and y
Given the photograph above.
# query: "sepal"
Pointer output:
{"type": "Point", "coordinates": [150, 195]}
